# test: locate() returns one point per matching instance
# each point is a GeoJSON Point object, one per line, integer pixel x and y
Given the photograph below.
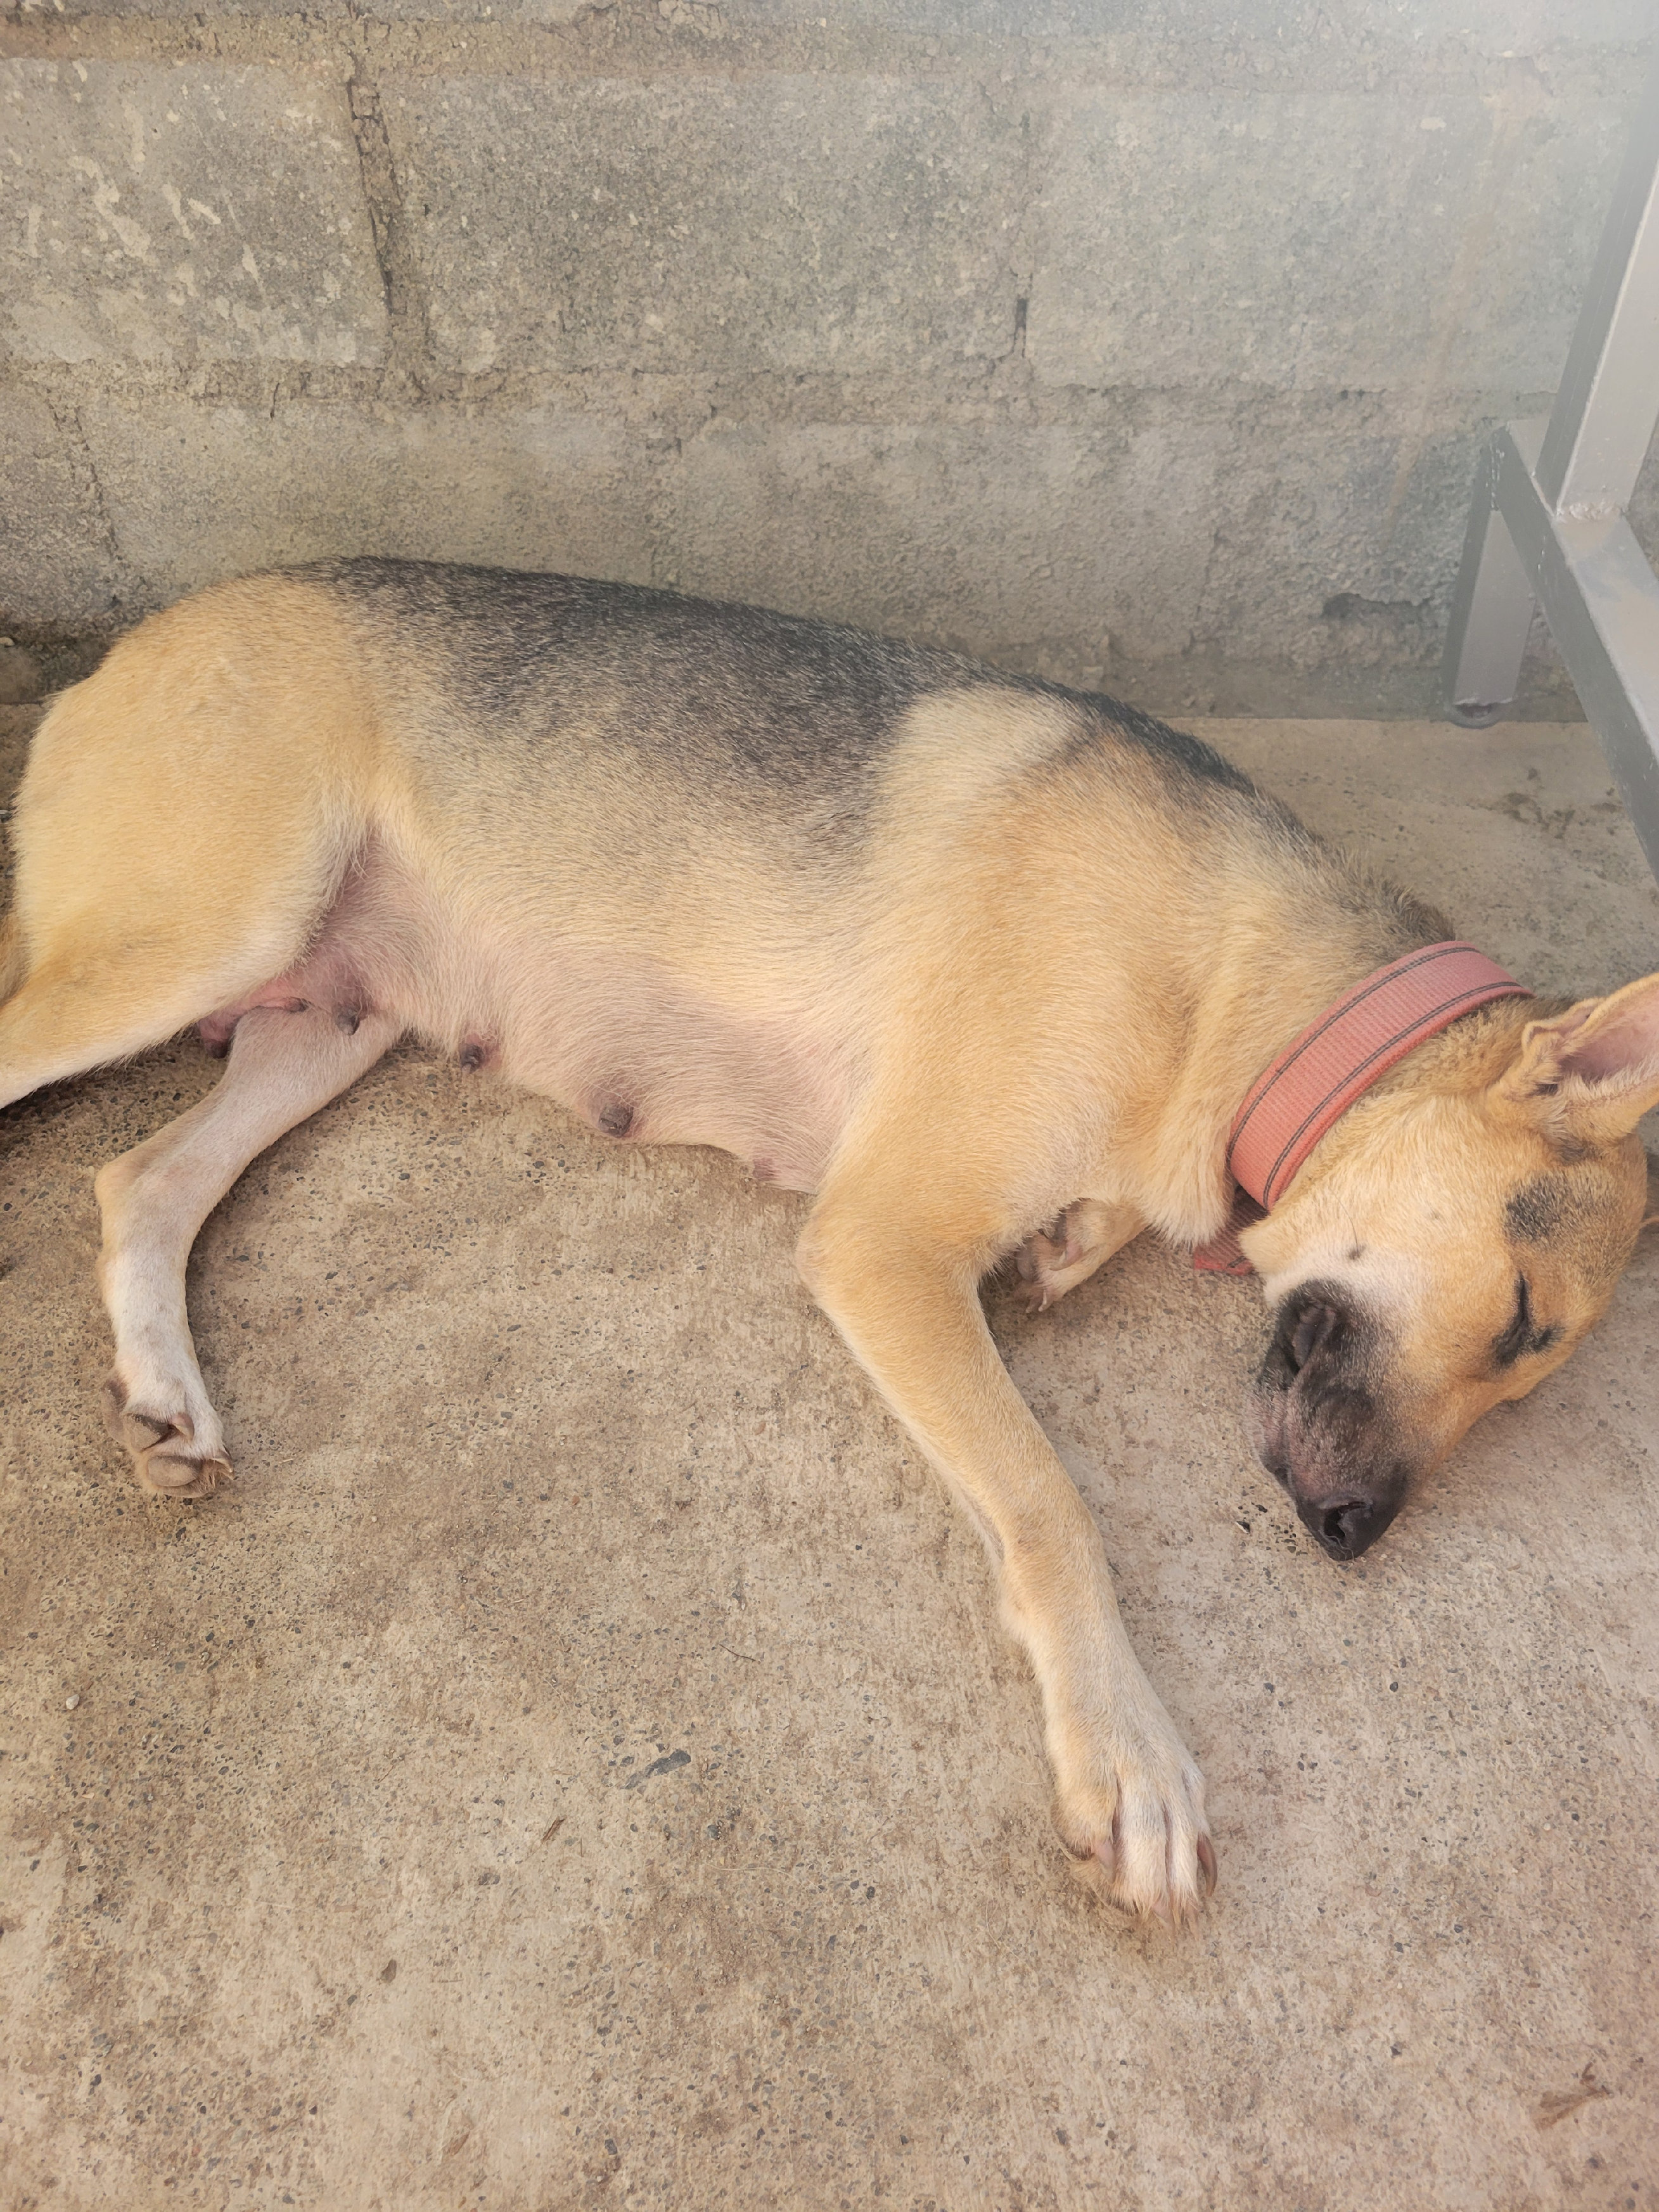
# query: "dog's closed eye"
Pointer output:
{"type": "Point", "coordinates": [1523, 1336]}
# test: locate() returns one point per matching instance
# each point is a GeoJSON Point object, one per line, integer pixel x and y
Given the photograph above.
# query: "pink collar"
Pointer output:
{"type": "Point", "coordinates": [1318, 1075]}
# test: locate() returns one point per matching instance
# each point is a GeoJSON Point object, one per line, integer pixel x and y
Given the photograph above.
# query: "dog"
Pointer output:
{"type": "Point", "coordinates": [985, 964]}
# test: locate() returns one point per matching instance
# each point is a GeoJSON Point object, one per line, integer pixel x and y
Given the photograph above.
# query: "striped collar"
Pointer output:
{"type": "Point", "coordinates": [1334, 1061]}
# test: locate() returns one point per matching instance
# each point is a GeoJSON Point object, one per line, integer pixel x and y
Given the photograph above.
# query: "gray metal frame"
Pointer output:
{"type": "Point", "coordinates": [1548, 520]}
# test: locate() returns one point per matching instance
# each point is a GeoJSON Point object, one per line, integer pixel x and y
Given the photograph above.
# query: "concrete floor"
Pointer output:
{"type": "Point", "coordinates": [577, 1765]}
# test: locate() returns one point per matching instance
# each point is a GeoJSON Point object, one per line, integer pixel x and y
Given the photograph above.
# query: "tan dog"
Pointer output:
{"type": "Point", "coordinates": [987, 964]}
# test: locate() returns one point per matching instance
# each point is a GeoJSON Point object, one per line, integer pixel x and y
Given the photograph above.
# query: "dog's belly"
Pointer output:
{"type": "Point", "coordinates": [646, 1059]}
{"type": "Point", "coordinates": [613, 1032]}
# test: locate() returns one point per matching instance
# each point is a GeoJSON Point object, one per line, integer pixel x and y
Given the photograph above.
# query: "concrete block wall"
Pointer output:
{"type": "Point", "coordinates": [1143, 343]}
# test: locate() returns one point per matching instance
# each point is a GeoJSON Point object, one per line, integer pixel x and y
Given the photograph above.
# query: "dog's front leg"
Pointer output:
{"type": "Point", "coordinates": [1129, 1797]}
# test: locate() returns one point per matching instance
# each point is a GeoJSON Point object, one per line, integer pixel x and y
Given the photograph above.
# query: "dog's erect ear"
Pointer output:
{"type": "Point", "coordinates": [1589, 1075]}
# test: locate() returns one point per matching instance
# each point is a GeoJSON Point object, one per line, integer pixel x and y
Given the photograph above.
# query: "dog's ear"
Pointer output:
{"type": "Point", "coordinates": [1589, 1075]}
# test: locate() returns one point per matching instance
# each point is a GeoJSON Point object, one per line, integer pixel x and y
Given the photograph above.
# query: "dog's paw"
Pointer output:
{"type": "Point", "coordinates": [1131, 1813]}
{"type": "Point", "coordinates": [1047, 1265]}
{"type": "Point", "coordinates": [168, 1455]}
{"type": "Point", "coordinates": [1055, 1260]}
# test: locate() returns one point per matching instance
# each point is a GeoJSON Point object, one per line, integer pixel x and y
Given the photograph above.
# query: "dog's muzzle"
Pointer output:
{"type": "Point", "coordinates": [1317, 1428]}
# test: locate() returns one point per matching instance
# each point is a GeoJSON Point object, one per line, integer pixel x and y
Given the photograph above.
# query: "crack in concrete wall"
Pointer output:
{"type": "Point", "coordinates": [78, 454]}
{"type": "Point", "coordinates": [409, 349]}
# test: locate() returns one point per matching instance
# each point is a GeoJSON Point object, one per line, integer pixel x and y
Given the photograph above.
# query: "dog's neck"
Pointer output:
{"type": "Point", "coordinates": [1281, 949]}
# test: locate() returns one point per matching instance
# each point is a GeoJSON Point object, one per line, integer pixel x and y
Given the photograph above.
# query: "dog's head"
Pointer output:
{"type": "Point", "coordinates": [1447, 1245]}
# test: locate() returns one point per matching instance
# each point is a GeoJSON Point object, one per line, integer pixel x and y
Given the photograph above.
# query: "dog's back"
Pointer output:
{"type": "Point", "coordinates": [668, 860]}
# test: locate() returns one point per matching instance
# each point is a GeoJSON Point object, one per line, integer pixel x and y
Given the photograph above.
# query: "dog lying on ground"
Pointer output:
{"type": "Point", "coordinates": [988, 965]}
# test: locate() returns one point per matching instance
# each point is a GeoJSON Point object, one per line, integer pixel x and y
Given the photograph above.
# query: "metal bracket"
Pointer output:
{"type": "Point", "coordinates": [1548, 518]}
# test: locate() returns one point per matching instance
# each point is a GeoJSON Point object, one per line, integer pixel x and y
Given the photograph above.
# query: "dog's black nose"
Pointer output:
{"type": "Point", "coordinates": [1343, 1528]}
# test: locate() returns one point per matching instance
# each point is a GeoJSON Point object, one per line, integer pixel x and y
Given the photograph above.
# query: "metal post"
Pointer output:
{"type": "Point", "coordinates": [1548, 517]}
{"type": "Point", "coordinates": [1491, 612]}
{"type": "Point", "coordinates": [1603, 421]}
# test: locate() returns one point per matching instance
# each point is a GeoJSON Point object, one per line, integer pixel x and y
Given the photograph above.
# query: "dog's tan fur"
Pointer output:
{"type": "Point", "coordinates": [1008, 1010]}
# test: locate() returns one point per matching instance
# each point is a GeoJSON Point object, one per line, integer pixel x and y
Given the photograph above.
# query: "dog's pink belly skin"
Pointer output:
{"type": "Point", "coordinates": [644, 1059]}
{"type": "Point", "coordinates": [631, 1047]}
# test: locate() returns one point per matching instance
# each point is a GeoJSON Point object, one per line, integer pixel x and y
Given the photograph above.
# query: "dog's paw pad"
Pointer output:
{"type": "Point", "coordinates": [1208, 1867]}
{"type": "Point", "coordinates": [176, 1473]}
{"type": "Point", "coordinates": [166, 1456]}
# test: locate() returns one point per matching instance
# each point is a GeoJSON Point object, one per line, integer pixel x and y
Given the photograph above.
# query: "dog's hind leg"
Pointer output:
{"type": "Point", "coordinates": [66, 1017]}
{"type": "Point", "coordinates": [183, 824]}
{"type": "Point", "coordinates": [283, 1067]}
